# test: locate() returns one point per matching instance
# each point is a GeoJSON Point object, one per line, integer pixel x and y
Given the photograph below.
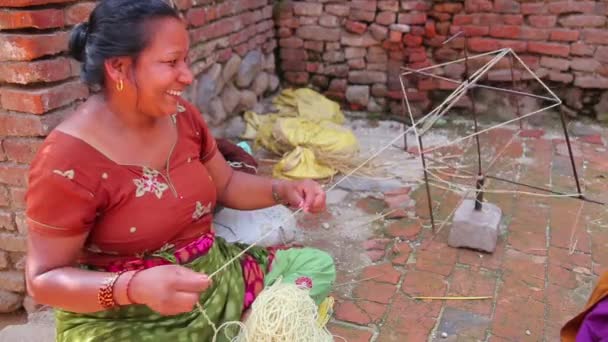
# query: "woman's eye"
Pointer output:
{"type": "Point", "coordinates": [172, 62]}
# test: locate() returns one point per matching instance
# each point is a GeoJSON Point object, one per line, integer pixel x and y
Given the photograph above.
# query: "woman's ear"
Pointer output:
{"type": "Point", "coordinates": [117, 69]}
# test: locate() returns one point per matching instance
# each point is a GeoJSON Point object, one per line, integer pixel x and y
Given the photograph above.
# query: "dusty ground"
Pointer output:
{"type": "Point", "coordinates": [549, 254]}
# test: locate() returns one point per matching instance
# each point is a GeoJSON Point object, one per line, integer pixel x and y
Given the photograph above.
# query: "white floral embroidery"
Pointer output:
{"type": "Point", "coordinates": [69, 174]}
{"type": "Point", "coordinates": [149, 183]}
{"type": "Point", "coordinates": [201, 210]}
{"type": "Point", "coordinates": [180, 108]}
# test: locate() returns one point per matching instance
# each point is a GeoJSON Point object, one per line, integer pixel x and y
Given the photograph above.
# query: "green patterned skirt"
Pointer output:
{"type": "Point", "coordinates": [223, 301]}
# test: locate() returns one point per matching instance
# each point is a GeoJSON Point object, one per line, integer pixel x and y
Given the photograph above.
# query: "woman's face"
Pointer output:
{"type": "Point", "coordinates": [161, 70]}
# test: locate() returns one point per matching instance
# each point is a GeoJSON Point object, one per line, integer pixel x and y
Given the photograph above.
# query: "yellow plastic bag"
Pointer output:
{"type": "Point", "coordinates": [301, 164]}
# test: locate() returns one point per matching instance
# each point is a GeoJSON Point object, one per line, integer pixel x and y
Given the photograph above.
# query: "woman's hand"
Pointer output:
{"type": "Point", "coordinates": [168, 289]}
{"type": "Point", "coordinates": [305, 194]}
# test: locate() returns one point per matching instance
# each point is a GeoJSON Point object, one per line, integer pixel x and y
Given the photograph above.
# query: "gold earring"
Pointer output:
{"type": "Point", "coordinates": [120, 86]}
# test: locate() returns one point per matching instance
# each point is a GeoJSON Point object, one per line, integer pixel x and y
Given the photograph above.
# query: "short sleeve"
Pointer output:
{"type": "Point", "coordinates": [208, 143]}
{"type": "Point", "coordinates": [56, 202]}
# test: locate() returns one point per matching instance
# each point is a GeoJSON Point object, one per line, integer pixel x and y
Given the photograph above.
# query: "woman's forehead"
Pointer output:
{"type": "Point", "coordinates": [168, 35]}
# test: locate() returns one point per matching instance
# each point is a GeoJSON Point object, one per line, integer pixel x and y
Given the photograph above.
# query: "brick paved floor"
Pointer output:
{"type": "Point", "coordinates": [545, 265]}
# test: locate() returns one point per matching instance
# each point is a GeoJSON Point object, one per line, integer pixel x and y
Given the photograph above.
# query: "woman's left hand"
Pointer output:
{"type": "Point", "coordinates": [305, 194]}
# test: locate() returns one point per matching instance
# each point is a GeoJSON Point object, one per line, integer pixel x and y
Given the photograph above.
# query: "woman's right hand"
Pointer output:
{"type": "Point", "coordinates": [168, 289]}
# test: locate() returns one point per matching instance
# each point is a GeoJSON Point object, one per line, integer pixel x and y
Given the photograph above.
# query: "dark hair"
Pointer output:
{"type": "Point", "coordinates": [115, 28]}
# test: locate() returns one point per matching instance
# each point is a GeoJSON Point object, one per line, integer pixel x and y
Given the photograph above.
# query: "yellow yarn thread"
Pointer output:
{"type": "Point", "coordinates": [282, 312]}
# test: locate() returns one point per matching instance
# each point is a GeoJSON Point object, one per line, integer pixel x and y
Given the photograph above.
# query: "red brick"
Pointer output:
{"type": "Point", "coordinates": [395, 36]}
{"type": "Point", "coordinates": [4, 196]}
{"type": "Point", "coordinates": [183, 4]}
{"type": "Point", "coordinates": [355, 26]}
{"type": "Point", "coordinates": [533, 8]}
{"type": "Point", "coordinates": [40, 19]}
{"type": "Point", "coordinates": [512, 19]}
{"type": "Point", "coordinates": [21, 150]}
{"type": "Point", "coordinates": [307, 9]}
{"type": "Point", "coordinates": [561, 64]}
{"type": "Point", "coordinates": [471, 30]}
{"type": "Point", "coordinates": [291, 43]}
{"type": "Point", "coordinates": [581, 49]}
{"type": "Point", "coordinates": [441, 17]}
{"type": "Point", "coordinates": [543, 21]}
{"type": "Point", "coordinates": [436, 258]}
{"type": "Point", "coordinates": [40, 101]}
{"type": "Point", "coordinates": [564, 35]}
{"type": "Point", "coordinates": [551, 49]}
{"type": "Point", "coordinates": [384, 273]}
{"type": "Point", "coordinates": [566, 6]}
{"type": "Point", "coordinates": [6, 220]}
{"type": "Point", "coordinates": [430, 31]}
{"type": "Point", "coordinates": [17, 124]}
{"type": "Point", "coordinates": [386, 18]}
{"type": "Point", "coordinates": [448, 7]}
{"type": "Point", "coordinates": [25, 3]}
{"type": "Point", "coordinates": [412, 18]}
{"type": "Point", "coordinates": [581, 20]}
{"type": "Point", "coordinates": [18, 198]}
{"type": "Point", "coordinates": [478, 5]}
{"type": "Point", "coordinates": [505, 31]}
{"type": "Point", "coordinates": [477, 44]}
{"type": "Point", "coordinates": [19, 47]}
{"type": "Point", "coordinates": [48, 70]}
{"type": "Point", "coordinates": [595, 36]}
{"type": "Point", "coordinates": [463, 19]}
{"type": "Point", "coordinates": [404, 309]}
{"type": "Point", "coordinates": [530, 33]}
{"type": "Point", "coordinates": [415, 5]}
{"type": "Point", "coordinates": [507, 6]}
{"type": "Point", "coordinates": [412, 41]}
{"type": "Point", "coordinates": [467, 282]}
{"type": "Point", "coordinates": [375, 292]}
{"type": "Point", "coordinates": [349, 333]}
{"type": "Point", "coordinates": [401, 253]}
{"type": "Point", "coordinates": [198, 16]}
{"type": "Point", "coordinates": [297, 78]}
{"type": "Point", "coordinates": [486, 19]}
{"type": "Point", "coordinates": [79, 12]}
{"type": "Point", "coordinates": [348, 311]}
{"type": "Point", "coordinates": [13, 174]}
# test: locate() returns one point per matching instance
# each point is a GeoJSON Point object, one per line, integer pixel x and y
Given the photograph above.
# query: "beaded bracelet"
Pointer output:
{"type": "Point", "coordinates": [105, 296]}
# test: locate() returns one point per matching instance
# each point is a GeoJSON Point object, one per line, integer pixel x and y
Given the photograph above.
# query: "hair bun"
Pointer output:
{"type": "Point", "coordinates": [78, 41]}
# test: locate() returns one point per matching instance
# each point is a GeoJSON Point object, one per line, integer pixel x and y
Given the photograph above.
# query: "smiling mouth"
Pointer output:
{"type": "Point", "coordinates": [174, 92]}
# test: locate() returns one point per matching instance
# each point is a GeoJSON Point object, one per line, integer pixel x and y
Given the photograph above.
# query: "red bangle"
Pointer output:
{"type": "Point", "coordinates": [131, 301]}
{"type": "Point", "coordinates": [105, 296]}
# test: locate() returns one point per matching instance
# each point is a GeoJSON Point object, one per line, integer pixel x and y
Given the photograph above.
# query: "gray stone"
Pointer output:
{"type": "Point", "coordinates": [601, 109]}
{"type": "Point", "coordinates": [358, 95]}
{"type": "Point", "coordinates": [40, 328]}
{"type": "Point", "coordinates": [31, 306]}
{"type": "Point", "coordinates": [475, 229]}
{"type": "Point", "coordinates": [231, 68]}
{"type": "Point", "coordinates": [378, 32]}
{"type": "Point", "coordinates": [273, 83]}
{"type": "Point", "coordinates": [461, 324]}
{"type": "Point", "coordinates": [354, 52]}
{"type": "Point", "coordinates": [260, 84]}
{"type": "Point", "coordinates": [248, 100]}
{"type": "Point", "coordinates": [367, 77]}
{"type": "Point", "coordinates": [336, 196]}
{"type": "Point", "coordinates": [356, 183]}
{"type": "Point", "coordinates": [234, 127]}
{"type": "Point", "coordinates": [249, 68]}
{"type": "Point", "coordinates": [10, 301]}
{"type": "Point", "coordinates": [276, 225]}
{"type": "Point", "coordinates": [230, 98]}
{"type": "Point", "coordinates": [374, 107]}
{"type": "Point", "coordinates": [209, 86]}
{"type": "Point", "coordinates": [364, 40]}
{"type": "Point", "coordinates": [400, 27]}
{"type": "Point", "coordinates": [216, 112]}
{"type": "Point", "coordinates": [580, 129]}
{"type": "Point", "coordinates": [269, 62]}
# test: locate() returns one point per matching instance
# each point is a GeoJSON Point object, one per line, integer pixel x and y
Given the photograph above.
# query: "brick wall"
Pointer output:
{"type": "Point", "coordinates": [353, 50]}
{"type": "Point", "coordinates": [233, 43]}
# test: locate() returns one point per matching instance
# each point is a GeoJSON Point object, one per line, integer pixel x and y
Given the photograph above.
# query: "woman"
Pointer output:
{"type": "Point", "coordinates": [122, 192]}
{"type": "Point", "coordinates": [591, 325]}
